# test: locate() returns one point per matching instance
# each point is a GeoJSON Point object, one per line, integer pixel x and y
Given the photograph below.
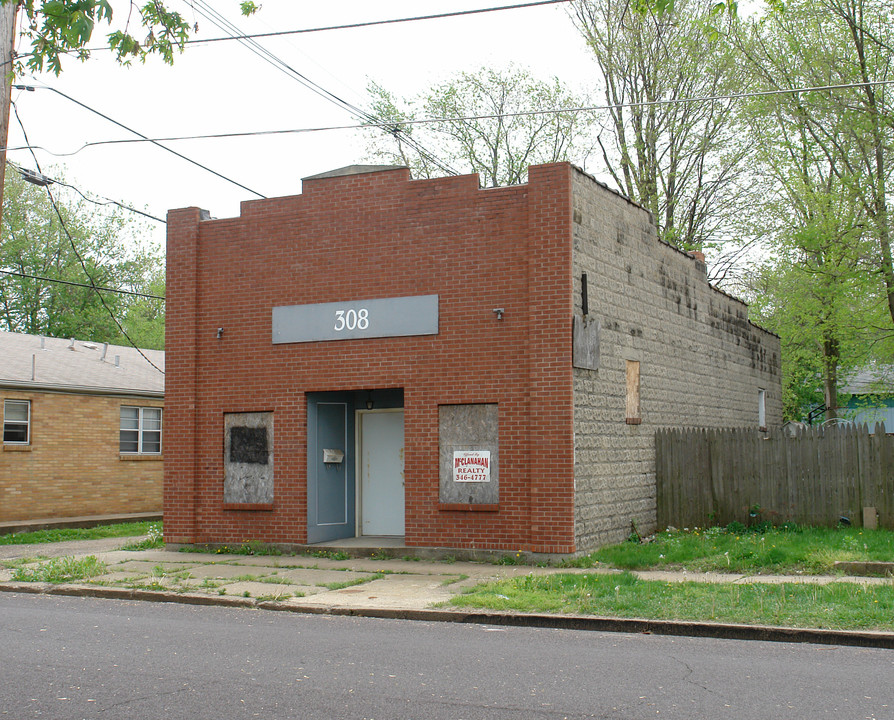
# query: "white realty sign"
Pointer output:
{"type": "Point", "coordinates": [471, 466]}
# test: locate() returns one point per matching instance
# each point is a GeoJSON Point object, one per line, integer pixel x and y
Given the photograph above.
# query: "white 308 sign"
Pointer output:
{"type": "Point", "coordinates": [351, 319]}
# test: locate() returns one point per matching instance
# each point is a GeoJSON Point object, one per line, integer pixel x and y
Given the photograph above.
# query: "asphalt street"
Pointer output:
{"type": "Point", "coordinates": [77, 657]}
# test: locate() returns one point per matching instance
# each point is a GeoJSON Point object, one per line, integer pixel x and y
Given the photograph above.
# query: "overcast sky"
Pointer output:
{"type": "Point", "coordinates": [223, 87]}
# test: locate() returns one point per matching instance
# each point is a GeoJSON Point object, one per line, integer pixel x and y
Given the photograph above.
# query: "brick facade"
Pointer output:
{"type": "Point", "coordinates": [379, 235]}
{"type": "Point", "coordinates": [71, 466]}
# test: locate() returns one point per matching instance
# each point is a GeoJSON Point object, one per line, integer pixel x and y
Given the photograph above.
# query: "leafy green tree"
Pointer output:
{"type": "Point", "coordinates": [34, 246]}
{"type": "Point", "coordinates": [823, 159]}
{"type": "Point", "coordinates": [493, 122]}
{"type": "Point", "coordinates": [144, 318]}
{"type": "Point", "coordinates": [682, 160]}
{"type": "Point", "coordinates": [813, 290]}
{"type": "Point", "coordinates": [60, 27]}
{"type": "Point", "coordinates": [845, 48]}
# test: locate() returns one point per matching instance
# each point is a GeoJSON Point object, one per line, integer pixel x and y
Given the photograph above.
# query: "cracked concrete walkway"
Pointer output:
{"type": "Point", "coordinates": [381, 587]}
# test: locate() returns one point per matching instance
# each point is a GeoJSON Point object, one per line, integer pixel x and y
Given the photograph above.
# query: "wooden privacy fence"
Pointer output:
{"type": "Point", "coordinates": [815, 477]}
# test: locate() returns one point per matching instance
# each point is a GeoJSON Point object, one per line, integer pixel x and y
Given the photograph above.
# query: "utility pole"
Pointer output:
{"type": "Point", "coordinates": [8, 12]}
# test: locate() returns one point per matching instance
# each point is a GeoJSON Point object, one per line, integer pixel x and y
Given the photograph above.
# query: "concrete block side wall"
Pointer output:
{"type": "Point", "coordinates": [374, 236]}
{"type": "Point", "coordinates": [72, 466]}
{"type": "Point", "coordinates": [701, 362]}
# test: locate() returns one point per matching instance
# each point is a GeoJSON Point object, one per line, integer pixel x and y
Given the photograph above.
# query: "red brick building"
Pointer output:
{"type": "Point", "coordinates": [384, 356]}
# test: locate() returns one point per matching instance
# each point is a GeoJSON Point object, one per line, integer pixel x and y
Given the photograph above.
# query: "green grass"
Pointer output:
{"type": "Point", "coordinates": [736, 549]}
{"type": "Point", "coordinates": [835, 606]}
{"type": "Point", "coordinates": [783, 550]}
{"type": "Point", "coordinates": [252, 547]}
{"type": "Point", "coordinates": [13, 563]}
{"type": "Point", "coordinates": [351, 583]}
{"type": "Point", "coordinates": [327, 554]}
{"type": "Point", "coordinates": [62, 534]}
{"type": "Point", "coordinates": [271, 580]}
{"type": "Point", "coordinates": [154, 539]}
{"type": "Point", "coordinates": [61, 570]}
{"type": "Point", "coordinates": [244, 578]}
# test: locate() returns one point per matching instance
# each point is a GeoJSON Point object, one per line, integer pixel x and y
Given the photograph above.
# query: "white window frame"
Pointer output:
{"type": "Point", "coordinates": [26, 423]}
{"type": "Point", "coordinates": [141, 430]}
{"type": "Point", "coordinates": [761, 408]}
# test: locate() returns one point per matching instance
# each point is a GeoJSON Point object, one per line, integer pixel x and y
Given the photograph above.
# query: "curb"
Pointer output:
{"type": "Point", "coordinates": [8, 527]}
{"type": "Point", "coordinates": [865, 568]}
{"type": "Point", "coordinates": [679, 628]}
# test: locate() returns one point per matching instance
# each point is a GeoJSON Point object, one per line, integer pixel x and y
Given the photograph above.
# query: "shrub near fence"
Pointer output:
{"type": "Point", "coordinates": [816, 477]}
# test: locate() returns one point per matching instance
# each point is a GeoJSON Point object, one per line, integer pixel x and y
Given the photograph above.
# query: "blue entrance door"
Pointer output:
{"type": "Point", "coordinates": [331, 490]}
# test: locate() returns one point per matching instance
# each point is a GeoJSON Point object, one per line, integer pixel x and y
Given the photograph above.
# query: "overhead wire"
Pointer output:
{"type": "Point", "coordinates": [107, 201]}
{"type": "Point", "coordinates": [348, 26]}
{"type": "Point", "coordinates": [80, 257]}
{"type": "Point", "coordinates": [144, 138]}
{"type": "Point", "coordinates": [225, 25]}
{"type": "Point", "coordinates": [368, 118]}
{"type": "Point", "coordinates": [100, 288]}
{"type": "Point", "coordinates": [462, 118]}
{"type": "Point", "coordinates": [373, 23]}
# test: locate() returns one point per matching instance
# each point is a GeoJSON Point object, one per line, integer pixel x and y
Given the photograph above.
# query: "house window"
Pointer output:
{"type": "Point", "coordinates": [140, 430]}
{"type": "Point", "coordinates": [762, 408]}
{"type": "Point", "coordinates": [633, 416]}
{"type": "Point", "coordinates": [17, 422]}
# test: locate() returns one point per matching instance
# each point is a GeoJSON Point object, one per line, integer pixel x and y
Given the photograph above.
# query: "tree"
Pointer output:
{"type": "Point", "coordinates": [34, 246]}
{"type": "Point", "coordinates": [825, 160]}
{"type": "Point", "coordinates": [681, 159]}
{"type": "Point", "coordinates": [814, 291]}
{"type": "Point", "coordinates": [61, 27]}
{"type": "Point", "coordinates": [846, 47]}
{"type": "Point", "coordinates": [494, 123]}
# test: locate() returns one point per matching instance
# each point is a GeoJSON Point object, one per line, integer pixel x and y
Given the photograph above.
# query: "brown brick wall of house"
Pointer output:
{"type": "Point", "coordinates": [72, 466]}
{"type": "Point", "coordinates": [378, 235]}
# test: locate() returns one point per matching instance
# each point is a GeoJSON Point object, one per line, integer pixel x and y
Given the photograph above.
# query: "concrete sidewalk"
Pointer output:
{"type": "Point", "coordinates": [378, 587]}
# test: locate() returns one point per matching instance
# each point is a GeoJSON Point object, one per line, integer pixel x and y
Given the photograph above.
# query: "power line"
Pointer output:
{"type": "Point", "coordinates": [28, 276]}
{"type": "Point", "coordinates": [144, 138]}
{"type": "Point", "coordinates": [78, 255]}
{"type": "Point", "coordinates": [108, 201]}
{"type": "Point", "coordinates": [388, 125]}
{"type": "Point", "coordinates": [371, 23]}
{"type": "Point", "coordinates": [326, 28]}
{"type": "Point", "coordinates": [221, 22]}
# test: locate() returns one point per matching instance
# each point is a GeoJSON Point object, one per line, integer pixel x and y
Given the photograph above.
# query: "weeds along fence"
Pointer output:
{"type": "Point", "coordinates": [815, 477]}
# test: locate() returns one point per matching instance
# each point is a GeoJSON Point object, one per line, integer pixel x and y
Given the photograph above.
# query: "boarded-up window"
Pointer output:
{"type": "Point", "coordinates": [469, 439]}
{"type": "Point", "coordinates": [633, 412]}
{"type": "Point", "coordinates": [248, 458]}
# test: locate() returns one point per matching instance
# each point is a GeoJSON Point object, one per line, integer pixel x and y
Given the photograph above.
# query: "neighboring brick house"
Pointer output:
{"type": "Point", "coordinates": [462, 367]}
{"type": "Point", "coordinates": [81, 428]}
